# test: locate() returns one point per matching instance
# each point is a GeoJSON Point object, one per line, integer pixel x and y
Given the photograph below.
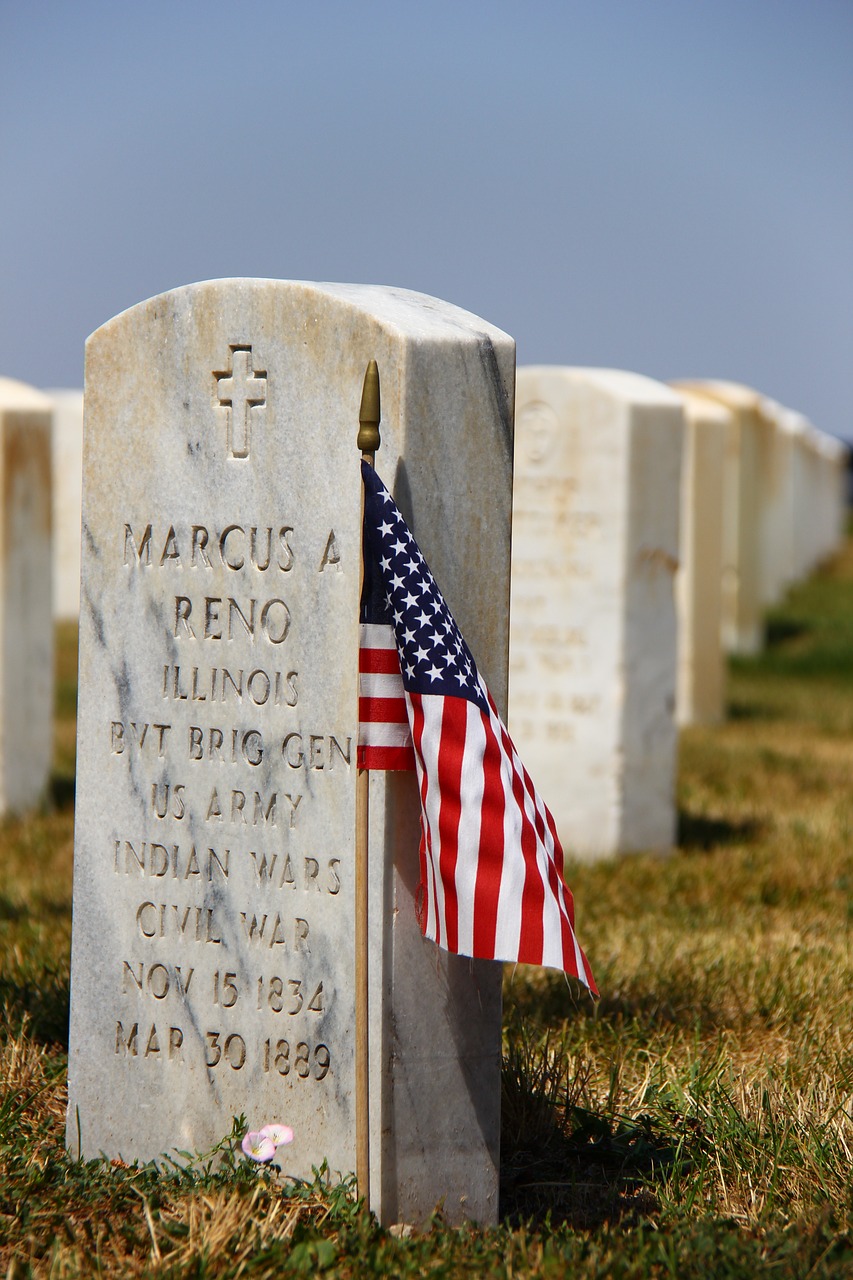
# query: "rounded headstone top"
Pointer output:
{"type": "Point", "coordinates": [20, 395]}
{"type": "Point", "coordinates": [619, 384]}
{"type": "Point", "coordinates": [832, 448]}
{"type": "Point", "coordinates": [791, 421]}
{"type": "Point", "coordinates": [64, 395]}
{"type": "Point", "coordinates": [734, 395]}
{"type": "Point", "coordinates": [413, 315]}
{"type": "Point", "coordinates": [701, 408]}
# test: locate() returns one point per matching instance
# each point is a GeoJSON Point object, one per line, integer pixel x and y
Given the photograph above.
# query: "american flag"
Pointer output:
{"type": "Point", "coordinates": [491, 861]}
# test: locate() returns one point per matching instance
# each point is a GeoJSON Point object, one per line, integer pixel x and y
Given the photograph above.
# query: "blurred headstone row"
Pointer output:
{"type": "Point", "coordinates": [653, 526]}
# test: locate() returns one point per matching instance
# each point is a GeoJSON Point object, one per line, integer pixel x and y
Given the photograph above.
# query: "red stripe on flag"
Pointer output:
{"type": "Point", "coordinates": [379, 661]}
{"type": "Point", "coordinates": [385, 758]}
{"type": "Point", "coordinates": [490, 854]}
{"type": "Point", "coordinates": [382, 710]}
{"type": "Point", "coordinates": [532, 936]}
{"type": "Point", "coordinates": [590, 980]}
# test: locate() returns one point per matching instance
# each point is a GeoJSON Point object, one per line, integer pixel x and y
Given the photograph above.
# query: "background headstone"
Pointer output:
{"type": "Point", "coordinates": [26, 626]}
{"type": "Point", "coordinates": [808, 538]}
{"type": "Point", "coordinates": [593, 628]}
{"type": "Point", "coordinates": [747, 518]}
{"type": "Point", "coordinates": [67, 454]}
{"type": "Point", "coordinates": [698, 582]}
{"type": "Point", "coordinates": [782, 549]}
{"type": "Point", "coordinates": [775, 511]}
{"type": "Point", "coordinates": [833, 507]}
{"type": "Point", "coordinates": [212, 958]}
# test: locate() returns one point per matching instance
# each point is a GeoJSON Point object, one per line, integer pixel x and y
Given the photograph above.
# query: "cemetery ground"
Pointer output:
{"type": "Point", "coordinates": [696, 1122]}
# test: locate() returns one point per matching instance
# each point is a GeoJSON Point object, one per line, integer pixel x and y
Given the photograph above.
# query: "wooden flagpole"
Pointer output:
{"type": "Point", "coordinates": [368, 443]}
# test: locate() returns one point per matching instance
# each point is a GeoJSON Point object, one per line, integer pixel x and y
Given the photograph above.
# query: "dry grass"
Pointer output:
{"type": "Point", "coordinates": [698, 1121]}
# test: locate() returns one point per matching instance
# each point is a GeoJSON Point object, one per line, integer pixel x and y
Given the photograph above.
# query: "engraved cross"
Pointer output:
{"type": "Point", "coordinates": [239, 389]}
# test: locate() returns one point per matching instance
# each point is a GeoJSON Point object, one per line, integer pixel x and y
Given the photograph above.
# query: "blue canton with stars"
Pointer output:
{"type": "Point", "coordinates": [400, 589]}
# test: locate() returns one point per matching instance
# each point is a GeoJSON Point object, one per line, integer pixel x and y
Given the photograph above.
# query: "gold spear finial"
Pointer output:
{"type": "Point", "coordinates": [369, 413]}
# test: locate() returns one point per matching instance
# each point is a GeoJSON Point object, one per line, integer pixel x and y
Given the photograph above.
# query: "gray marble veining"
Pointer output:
{"type": "Point", "coordinates": [212, 965]}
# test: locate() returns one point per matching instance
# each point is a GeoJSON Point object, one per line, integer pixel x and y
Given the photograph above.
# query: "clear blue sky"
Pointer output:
{"type": "Point", "coordinates": [657, 185]}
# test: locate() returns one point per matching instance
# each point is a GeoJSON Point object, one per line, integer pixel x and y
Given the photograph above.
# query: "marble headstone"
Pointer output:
{"type": "Point", "coordinates": [808, 498]}
{"type": "Point", "coordinates": [593, 626]}
{"type": "Point", "coordinates": [748, 514]}
{"type": "Point", "coordinates": [26, 626]}
{"type": "Point", "coordinates": [212, 957]}
{"type": "Point", "coordinates": [67, 454]}
{"type": "Point", "coordinates": [775, 507]}
{"type": "Point", "coordinates": [816, 492]}
{"type": "Point", "coordinates": [698, 583]}
{"type": "Point", "coordinates": [782, 548]}
{"type": "Point", "coordinates": [832, 509]}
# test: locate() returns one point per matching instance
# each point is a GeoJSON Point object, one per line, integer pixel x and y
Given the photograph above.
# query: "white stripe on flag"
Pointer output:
{"type": "Point", "coordinates": [552, 927]}
{"type": "Point", "coordinates": [381, 734]}
{"type": "Point", "coordinates": [372, 684]}
{"type": "Point", "coordinates": [431, 709]}
{"type": "Point", "coordinates": [470, 818]}
{"type": "Point", "coordinates": [377, 635]}
{"type": "Point", "coordinates": [578, 959]}
{"type": "Point", "coordinates": [511, 895]}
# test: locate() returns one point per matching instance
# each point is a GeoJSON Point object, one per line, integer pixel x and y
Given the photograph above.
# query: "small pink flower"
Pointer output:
{"type": "Point", "coordinates": [257, 1146]}
{"type": "Point", "coordinates": [278, 1134]}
